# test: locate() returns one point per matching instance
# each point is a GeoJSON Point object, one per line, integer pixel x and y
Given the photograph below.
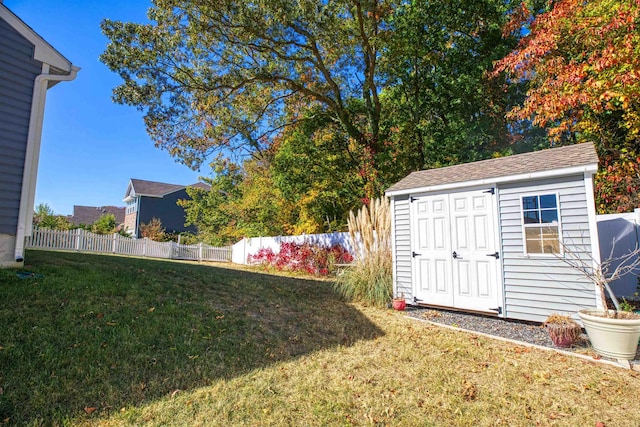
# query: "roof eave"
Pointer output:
{"type": "Point", "coordinates": [43, 51]}
{"type": "Point", "coordinates": [573, 170]}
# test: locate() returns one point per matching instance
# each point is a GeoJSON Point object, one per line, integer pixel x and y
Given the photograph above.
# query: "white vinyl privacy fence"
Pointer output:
{"type": "Point", "coordinates": [84, 241]}
{"type": "Point", "coordinates": [250, 246]}
{"type": "Point", "coordinates": [619, 234]}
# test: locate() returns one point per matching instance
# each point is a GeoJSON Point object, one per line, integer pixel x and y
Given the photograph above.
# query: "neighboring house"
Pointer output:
{"type": "Point", "coordinates": [488, 236]}
{"type": "Point", "coordinates": [87, 215]}
{"type": "Point", "coordinates": [29, 66]}
{"type": "Point", "coordinates": [148, 199]}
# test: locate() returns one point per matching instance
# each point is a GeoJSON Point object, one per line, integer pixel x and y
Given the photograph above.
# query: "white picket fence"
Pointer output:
{"type": "Point", "coordinates": [84, 241]}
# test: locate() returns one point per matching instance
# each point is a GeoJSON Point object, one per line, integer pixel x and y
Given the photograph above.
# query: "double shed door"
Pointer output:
{"type": "Point", "coordinates": [454, 254]}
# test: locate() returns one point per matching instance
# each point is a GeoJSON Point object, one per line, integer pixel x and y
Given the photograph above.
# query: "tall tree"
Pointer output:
{"type": "Point", "coordinates": [441, 104]}
{"type": "Point", "coordinates": [242, 202]}
{"type": "Point", "coordinates": [317, 175]}
{"type": "Point", "coordinates": [209, 209]}
{"type": "Point", "coordinates": [213, 75]}
{"type": "Point", "coordinates": [582, 60]}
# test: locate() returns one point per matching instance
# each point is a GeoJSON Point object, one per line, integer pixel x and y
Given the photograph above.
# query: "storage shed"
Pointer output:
{"type": "Point", "coordinates": [488, 236]}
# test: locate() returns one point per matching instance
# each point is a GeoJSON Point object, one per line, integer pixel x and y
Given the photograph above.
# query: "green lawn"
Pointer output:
{"type": "Point", "coordinates": [105, 340]}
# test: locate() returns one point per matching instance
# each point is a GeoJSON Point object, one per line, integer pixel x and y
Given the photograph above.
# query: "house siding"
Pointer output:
{"type": "Point", "coordinates": [535, 287]}
{"type": "Point", "coordinates": [166, 210]}
{"type": "Point", "coordinates": [18, 70]}
{"type": "Point", "coordinates": [402, 247]}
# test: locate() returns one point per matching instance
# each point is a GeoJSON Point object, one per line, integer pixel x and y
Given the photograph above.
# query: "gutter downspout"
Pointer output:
{"type": "Point", "coordinates": [32, 155]}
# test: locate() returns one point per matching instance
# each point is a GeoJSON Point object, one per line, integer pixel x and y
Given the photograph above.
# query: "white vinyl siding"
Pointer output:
{"type": "Point", "coordinates": [538, 286]}
{"type": "Point", "coordinates": [402, 247]}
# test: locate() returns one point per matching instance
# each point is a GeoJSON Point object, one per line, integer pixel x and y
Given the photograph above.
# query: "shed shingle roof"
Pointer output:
{"type": "Point", "coordinates": [538, 161]}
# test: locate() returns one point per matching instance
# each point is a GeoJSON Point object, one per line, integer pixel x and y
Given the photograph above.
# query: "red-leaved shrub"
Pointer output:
{"type": "Point", "coordinates": [305, 257]}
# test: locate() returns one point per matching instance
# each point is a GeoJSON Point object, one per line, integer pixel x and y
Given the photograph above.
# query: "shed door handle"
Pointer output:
{"type": "Point", "coordinates": [496, 255]}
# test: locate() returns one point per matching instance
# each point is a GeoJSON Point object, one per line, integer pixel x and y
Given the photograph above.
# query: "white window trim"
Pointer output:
{"type": "Point", "coordinates": [523, 225]}
{"type": "Point", "coordinates": [132, 206]}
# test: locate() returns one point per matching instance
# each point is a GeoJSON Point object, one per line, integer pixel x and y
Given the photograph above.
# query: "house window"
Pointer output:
{"type": "Point", "coordinates": [541, 225]}
{"type": "Point", "coordinates": [132, 206]}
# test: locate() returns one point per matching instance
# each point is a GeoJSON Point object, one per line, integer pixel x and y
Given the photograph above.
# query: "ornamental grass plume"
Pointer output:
{"type": "Point", "coordinates": [369, 279]}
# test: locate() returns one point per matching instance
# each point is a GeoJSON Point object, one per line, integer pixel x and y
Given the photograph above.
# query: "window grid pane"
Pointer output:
{"type": "Point", "coordinates": [530, 202]}
{"type": "Point", "coordinates": [540, 217]}
{"type": "Point", "coordinates": [548, 216]}
{"type": "Point", "coordinates": [548, 201]}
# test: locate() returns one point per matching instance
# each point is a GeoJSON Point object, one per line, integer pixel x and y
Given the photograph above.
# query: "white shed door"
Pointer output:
{"type": "Point", "coordinates": [431, 254]}
{"type": "Point", "coordinates": [455, 259]}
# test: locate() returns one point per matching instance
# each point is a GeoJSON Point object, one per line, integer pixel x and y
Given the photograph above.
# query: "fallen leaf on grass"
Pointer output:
{"type": "Point", "coordinates": [90, 409]}
{"type": "Point", "coordinates": [469, 391]}
{"type": "Point", "coordinates": [100, 315]}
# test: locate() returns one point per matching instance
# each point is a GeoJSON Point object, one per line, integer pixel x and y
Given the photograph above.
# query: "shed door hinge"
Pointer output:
{"type": "Point", "coordinates": [491, 190]}
{"type": "Point", "coordinates": [498, 309]}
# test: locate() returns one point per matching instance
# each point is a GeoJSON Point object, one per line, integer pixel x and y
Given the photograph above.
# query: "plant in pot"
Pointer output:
{"type": "Point", "coordinates": [562, 329]}
{"type": "Point", "coordinates": [399, 303]}
{"type": "Point", "coordinates": [613, 332]}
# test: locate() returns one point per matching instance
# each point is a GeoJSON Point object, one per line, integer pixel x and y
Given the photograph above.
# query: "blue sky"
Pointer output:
{"type": "Point", "coordinates": [91, 146]}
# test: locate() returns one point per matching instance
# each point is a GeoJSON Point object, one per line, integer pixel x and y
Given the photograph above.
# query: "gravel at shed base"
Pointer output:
{"type": "Point", "coordinates": [528, 332]}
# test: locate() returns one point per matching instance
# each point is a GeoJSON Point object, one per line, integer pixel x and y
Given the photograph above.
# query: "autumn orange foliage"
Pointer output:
{"type": "Point", "coordinates": [582, 62]}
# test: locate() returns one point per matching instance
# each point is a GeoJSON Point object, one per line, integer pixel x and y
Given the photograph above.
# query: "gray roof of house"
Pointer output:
{"type": "Point", "coordinates": [90, 214]}
{"type": "Point", "coordinates": [538, 161]}
{"type": "Point", "coordinates": [159, 189]}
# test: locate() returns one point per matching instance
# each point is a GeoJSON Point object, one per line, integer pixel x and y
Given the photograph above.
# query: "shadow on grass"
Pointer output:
{"type": "Point", "coordinates": [98, 333]}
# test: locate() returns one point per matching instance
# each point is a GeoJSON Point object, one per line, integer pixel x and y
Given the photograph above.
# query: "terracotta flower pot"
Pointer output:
{"type": "Point", "coordinates": [399, 304]}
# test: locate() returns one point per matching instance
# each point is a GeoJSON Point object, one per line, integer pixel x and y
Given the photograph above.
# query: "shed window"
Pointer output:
{"type": "Point", "coordinates": [541, 226]}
